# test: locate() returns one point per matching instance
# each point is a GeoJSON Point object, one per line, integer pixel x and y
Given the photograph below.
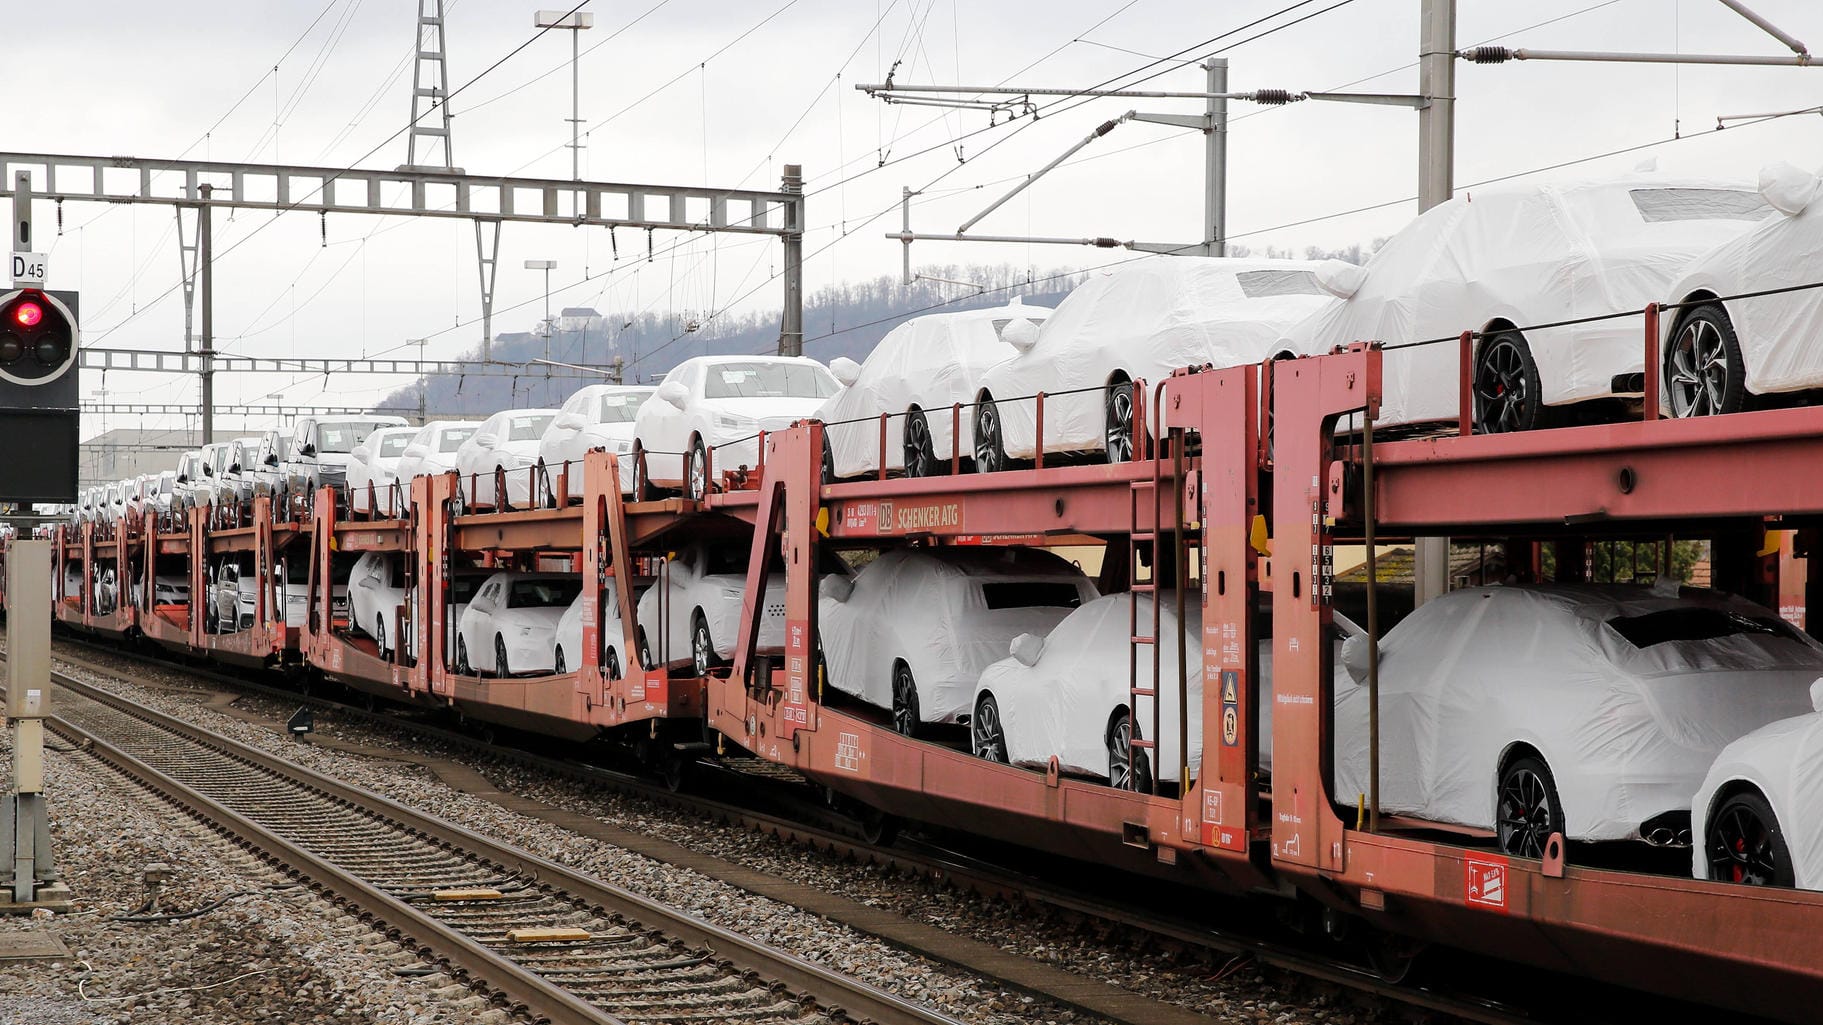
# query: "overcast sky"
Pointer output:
{"type": "Point", "coordinates": [722, 94]}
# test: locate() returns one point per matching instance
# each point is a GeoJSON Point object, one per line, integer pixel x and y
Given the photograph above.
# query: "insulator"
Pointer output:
{"type": "Point", "coordinates": [1490, 55]}
{"type": "Point", "coordinates": [1272, 97]}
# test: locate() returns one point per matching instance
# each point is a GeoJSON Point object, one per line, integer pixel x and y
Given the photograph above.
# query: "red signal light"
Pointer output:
{"type": "Point", "coordinates": [28, 314]}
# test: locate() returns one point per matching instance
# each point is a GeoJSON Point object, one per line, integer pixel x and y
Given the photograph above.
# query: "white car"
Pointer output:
{"type": "Point", "coordinates": [598, 416]}
{"type": "Point", "coordinates": [568, 656]}
{"type": "Point", "coordinates": [1758, 817]}
{"type": "Point", "coordinates": [233, 600]}
{"type": "Point", "coordinates": [433, 449]}
{"type": "Point", "coordinates": [1140, 322]}
{"type": "Point", "coordinates": [161, 493]}
{"type": "Point", "coordinates": [373, 466]}
{"type": "Point", "coordinates": [723, 403]}
{"type": "Point", "coordinates": [510, 625]}
{"type": "Point", "coordinates": [1069, 696]}
{"type": "Point", "coordinates": [913, 630]}
{"type": "Point", "coordinates": [918, 374]}
{"type": "Point", "coordinates": [376, 589]}
{"type": "Point", "coordinates": [462, 588]}
{"type": "Point", "coordinates": [268, 469]}
{"type": "Point", "coordinates": [1502, 259]}
{"type": "Point", "coordinates": [190, 481]}
{"type": "Point", "coordinates": [235, 479]}
{"type": "Point", "coordinates": [1586, 710]}
{"type": "Point", "coordinates": [1720, 354]}
{"type": "Point", "coordinates": [506, 441]}
{"type": "Point", "coordinates": [698, 598]}
{"type": "Point", "coordinates": [319, 451]}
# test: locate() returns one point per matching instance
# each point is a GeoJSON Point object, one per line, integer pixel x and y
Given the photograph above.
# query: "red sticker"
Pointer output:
{"type": "Point", "coordinates": [1484, 882]}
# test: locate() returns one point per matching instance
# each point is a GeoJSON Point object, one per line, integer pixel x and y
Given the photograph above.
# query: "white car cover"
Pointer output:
{"type": "Point", "coordinates": [947, 613]}
{"type": "Point", "coordinates": [1529, 254]}
{"type": "Point", "coordinates": [1063, 701]}
{"type": "Point", "coordinates": [598, 416]}
{"type": "Point", "coordinates": [569, 634]}
{"type": "Point", "coordinates": [710, 580]}
{"type": "Point", "coordinates": [1145, 320]}
{"type": "Point", "coordinates": [508, 441]}
{"type": "Point", "coordinates": [433, 449]}
{"type": "Point", "coordinates": [519, 610]}
{"type": "Point", "coordinates": [1784, 761]}
{"type": "Point", "coordinates": [375, 462]}
{"type": "Point", "coordinates": [1626, 729]}
{"type": "Point", "coordinates": [722, 403]}
{"type": "Point", "coordinates": [931, 363]}
{"type": "Point", "coordinates": [376, 589]}
{"type": "Point", "coordinates": [1777, 333]}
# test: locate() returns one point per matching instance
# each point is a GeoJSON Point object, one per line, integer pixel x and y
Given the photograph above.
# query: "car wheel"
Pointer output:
{"type": "Point", "coordinates": [612, 662]}
{"type": "Point", "coordinates": [379, 635]}
{"type": "Point", "coordinates": [696, 472]}
{"type": "Point", "coordinates": [990, 445]}
{"type": "Point", "coordinates": [500, 490]}
{"type": "Point", "coordinates": [702, 648]}
{"type": "Point", "coordinates": [1509, 394]}
{"type": "Point", "coordinates": [645, 651]}
{"type": "Point", "coordinates": [920, 451]}
{"type": "Point", "coordinates": [1745, 844]}
{"type": "Point", "coordinates": [500, 667]}
{"type": "Point", "coordinates": [1118, 421]}
{"type": "Point", "coordinates": [642, 485]}
{"type": "Point", "coordinates": [1704, 372]}
{"type": "Point", "coordinates": [545, 497]}
{"type": "Point", "coordinates": [906, 719]}
{"type": "Point", "coordinates": [1128, 769]}
{"type": "Point", "coordinates": [829, 460]}
{"type": "Point", "coordinates": [1527, 810]}
{"type": "Point", "coordinates": [462, 665]}
{"type": "Point", "coordinates": [985, 731]}
{"type": "Point", "coordinates": [557, 663]}
{"type": "Point", "coordinates": [211, 620]}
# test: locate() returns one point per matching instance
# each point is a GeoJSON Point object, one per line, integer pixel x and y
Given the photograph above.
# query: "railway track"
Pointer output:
{"type": "Point", "coordinates": [814, 827]}
{"type": "Point", "coordinates": [552, 944]}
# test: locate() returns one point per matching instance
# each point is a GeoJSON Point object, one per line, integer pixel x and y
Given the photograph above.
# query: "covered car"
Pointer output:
{"type": "Point", "coordinates": [510, 625]}
{"type": "Point", "coordinates": [568, 655]}
{"type": "Point", "coordinates": [918, 374]}
{"type": "Point", "coordinates": [694, 610]}
{"type": "Point", "coordinates": [1758, 817]}
{"type": "Point", "coordinates": [1590, 710]}
{"type": "Point", "coordinates": [376, 589]}
{"type": "Point", "coordinates": [913, 630]}
{"type": "Point", "coordinates": [506, 444]}
{"type": "Point", "coordinates": [723, 403]}
{"type": "Point", "coordinates": [318, 454]}
{"type": "Point", "coordinates": [1719, 353]}
{"type": "Point", "coordinates": [433, 449]}
{"type": "Point", "coordinates": [1069, 696]}
{"type": "Point", "coordinates": [1499, 261]}
{"type": "Point", "coordinates": [598, 416]}
{"type": "Point", "coordinates": [373, 470]}
{"type": "Point", "coordinates": [1139, 321]}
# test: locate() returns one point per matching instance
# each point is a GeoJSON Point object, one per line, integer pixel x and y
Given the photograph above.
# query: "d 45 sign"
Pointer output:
{"type": "Point", "coordinates": [28, 268]}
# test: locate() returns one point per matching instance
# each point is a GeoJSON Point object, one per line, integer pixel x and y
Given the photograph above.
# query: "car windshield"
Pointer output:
{"type": "Point", "coordinates": [621, 409]}
{"type": "Point", "coordinates": [768, 381]}
{"type": "Point", "coordinates": [725, 560]}
{"type": "Point", "coordinates": [343, 435]}
{"type": "Point", "coordinates": [543, 594]}
{"type": "Point", "coordinates": [394, 445]}
{"type": "Point", "coordinates": [1699, 204]}
{"type": "Point", "coordinates": [1031, 594]}
{"type": "Point", "coordinates": [462, 589]}
{"type": "Point", "coordinates": [454, 437]}
{"type": "Point", "coordinates": [528, 428]}
{"type": "Point", "coordinates": [1696, 624]}
{"type": "Point", "coordinates": [1259, 284]}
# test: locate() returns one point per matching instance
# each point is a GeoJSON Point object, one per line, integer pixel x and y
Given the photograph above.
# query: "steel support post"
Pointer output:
{"type": "Point", "coordinates": [27, 836]}
{"type": "Point", "coordinates": [205, 268]}
{"type": "Point", "coordinates": [1215, 161]}
{"type": "Point", "coordinates": [791, 327]}
{"type": "Point", "coordinates": [1436, 184]}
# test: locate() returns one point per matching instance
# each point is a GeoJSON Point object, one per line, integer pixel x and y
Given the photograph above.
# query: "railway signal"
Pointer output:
{"type": "Point", "coordinates": [40, 381]}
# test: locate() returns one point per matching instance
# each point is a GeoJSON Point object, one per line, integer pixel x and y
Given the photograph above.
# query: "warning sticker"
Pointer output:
{"type": "Point", "coordinates": [1231, 709]}
{"type": "Point", "coordinates": [1485, 881]}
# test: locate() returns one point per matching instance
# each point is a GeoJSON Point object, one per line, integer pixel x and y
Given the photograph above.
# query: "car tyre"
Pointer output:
{"type": "Point", "coordinates": [1508, 391]}
{"type": "Point", "coordinates": [1744, 843]}
{"type": "Point", "coordinates": [920, 453]}
{"type": "Point", "coordinates": [557, 661]}
{"type": "Point", "coordinates": [379, 636]}
{"type": "Point", "coordinates": [987, 734]}
{"type": "Point", "coordinates": [501, 669]}
{"type": "Point", "coordinates": [829, 460]}
{"type": "Point", "coordinates": [696, 471]}
{"type": "Point", "coordinates": [702, 647]}
{"type": "Point", "coordinates": [990, 442]}
{"type": "Point", "coordinates": [612, 662]}
{"type": "Point", "coordinates": [462, 665]}
{"type": "Point", "coordinates": [645, 651]}
{"type": "Point", "coordinates": [1127, 769]}
{"type": "Point", "coordinates": [1118, 421]}
{"type": "Point", "coordinates": [1526, 810]}
{"type": "Point", "coordinates": [1705, 374]}
{"type": "Point", "coordinates": [906, 714]}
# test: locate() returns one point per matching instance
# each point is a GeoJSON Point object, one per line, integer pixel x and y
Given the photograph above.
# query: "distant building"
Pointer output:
{"type": "Point", "coordinates": [129, 452]}
{"type": "Point", "coordinates": [578, 319]}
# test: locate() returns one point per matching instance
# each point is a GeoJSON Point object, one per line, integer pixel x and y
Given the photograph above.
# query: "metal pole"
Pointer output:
{"type": "Point", "coordinates": [1373, 626]}
{"type": "Point", "coordinates": [576, 104]}
{"type": "Point", "coordinates": [1436, 173]}
{"type": "Point", "coordinates": [28, 692]}
{"type": "Point", "coordinates": [1215, 161]}
{"type": "Point", "coordinates": [547, 309]}
{"type": "Point", "coordinates": [1104, 128]}
{"type": "Point", "coordinates": [205, 260]}
{"type": "Point", "coordinates": [1766, 26]}
{"type": "Point", "coordinates": [905, 195]}
{"type": "Point", "coordinates": [791, 327]}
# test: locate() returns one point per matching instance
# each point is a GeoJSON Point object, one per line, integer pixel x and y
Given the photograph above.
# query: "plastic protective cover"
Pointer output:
{"type": "Point", "coordinates": [1777, 333]}
{"type": "Point", "coordinates": [1626, 729]}
{"type": "Point", "coordinates": [1062, 705]}
{"type": "Point", "coordinates": [1530, 254]}
{"type": "Point", "coordinates": [931, 362]}
{"type": "Point", "coordinates": [947, 613]}
{"type": "Point", "coordinates": [1147, 319]}
{"type": "Point", "coordinates": [1784, 761]}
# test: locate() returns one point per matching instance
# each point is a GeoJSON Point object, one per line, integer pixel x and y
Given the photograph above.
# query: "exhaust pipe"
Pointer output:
{"type": "Point", "coordinates": [1665, 836]}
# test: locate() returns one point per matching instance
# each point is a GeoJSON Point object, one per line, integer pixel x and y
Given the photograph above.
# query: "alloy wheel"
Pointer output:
{"type": "Point", "coordinates": [500, 667]}
{"type": "Point", "coordinates": [920, 457]}
{"type": "Point", "coordinates": [1527, 812]}
{"type": "Point", "coordinates": [1503, 394]}
{"type": "Point", "coordinates": [905, 701]}
{"type": "Point", "coordinates": [702, 648]}
{"type": "Point", "coordinates": [1744, 844]}
{"type": "Point", "coordinates": [990, 447]}
{"type": "Point", "coordinates": [986, 732]}
{"type": "Point", "coordinates": [1119, 422]}
{"type": "Point", "coordinates": [1127, 768]}
{"type": "Point", "coordinates": [1697, 369]}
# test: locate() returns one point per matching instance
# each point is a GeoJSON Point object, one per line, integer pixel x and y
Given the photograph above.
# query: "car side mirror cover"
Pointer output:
{"type": "Point", "coordinates": [1027, 648]}
{"type": "Point", "coordinates": [569, 422]}
{"type": "Point", "coordinates": [307, 450]}
{"type": "Point", "coordinates": [183, 478]}
{"type": "Point", "coordinates": [1354, 657]}
{"type": "Point", "coordinates": [1339, 279]}
{"type": "Point", "coordinates": [846, 370]}
{"type": "Point", "coordinates": [1786, 188]}
{"type": "Point", "coordinates": [1021, 334]}
{"type": "Point", "coordinates": [1816, 694]}
{"type": "Point", "coordinates": [672, 393]}
{"type": "Point", "coordinates": [838, 587]}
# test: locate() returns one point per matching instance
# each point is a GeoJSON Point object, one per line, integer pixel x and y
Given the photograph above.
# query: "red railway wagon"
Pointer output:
{"type": "Point", "coordinates": [197, 544]}
{"type": "Point", "coordinates": [91, 569]}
